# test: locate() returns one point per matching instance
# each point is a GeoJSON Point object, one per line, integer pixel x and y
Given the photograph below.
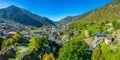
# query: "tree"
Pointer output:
{"type": "Point", "coordinates": [92, 30]}
{"type": "Point", "coordinates": [1, 39]}
{"type": "Point", "coordinates": [106, 52]}
{"type": "Point", "coordinates": [75, 49]}
{"type": "Point", "coordinates": [97, 54]}
{"type": "Point", "coordinates": [38, 42]}
{"type": "Point", "coordinates": [11, 41]}
{"type": "Point", "coordinates": [116, 24]}
{"type": "Point", "coordinates": [48, 56]}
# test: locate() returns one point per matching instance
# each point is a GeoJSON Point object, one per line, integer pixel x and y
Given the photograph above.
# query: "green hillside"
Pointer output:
{"type": "Point", "coordinates": [71, 19]}
{"type": "Point", "coordinates": [20, 15]}
{"type": "Point", "coordinates": [105, 20]}
{"type": "Point", "coordinates": [109, 13]}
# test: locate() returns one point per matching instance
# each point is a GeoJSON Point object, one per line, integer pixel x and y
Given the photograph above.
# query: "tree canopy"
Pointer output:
{"type": "Point", "coordinates": [38, 42]}
{"type": "Point", "coordinates": [48, 56]}
{"type": "Point", "coordinates": [75, 49]}
{"type": "Point", "coordinates": [11, 41]}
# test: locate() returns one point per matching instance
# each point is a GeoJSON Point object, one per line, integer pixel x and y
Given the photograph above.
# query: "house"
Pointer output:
{"type": "Point", "coordinates": [108, 39]}
{"type": "Point", "coordinates": [100, 37]}
{"type": "Point", "coordinates": [27, 36]}
{"type": "Point", "coordinates": [10, 34]}
{"type": "Point", "coordinates": [60, 42]}
{"type": "Point", "coordinates": [51, 38]}
{"type": "Point", "coordinates": [53, 29]}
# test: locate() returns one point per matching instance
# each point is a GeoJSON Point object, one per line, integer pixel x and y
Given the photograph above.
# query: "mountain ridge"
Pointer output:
{"type": "Point", "coordinates": [72, 19]}
{"type": "Point", "coordinates": [24, 17]}
{"type": "Point", "coordinates": [109, 12]}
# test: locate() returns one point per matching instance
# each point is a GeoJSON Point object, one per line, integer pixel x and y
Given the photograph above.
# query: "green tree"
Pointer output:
{"type": "Point", "coordinates": [92, 30]}
{"type": "Point", "coordinates": [1, 39]}
{"type": "Point", "coordinates": [11, 41]}
{"type": "Point", "coordinates": [75, 49]}
{"type": "Point", "coordinates": [116, 24]}
{"type": "Point", "coordinates": [106, 52]}
{"type": "Point", "coordinates": [38, 42]}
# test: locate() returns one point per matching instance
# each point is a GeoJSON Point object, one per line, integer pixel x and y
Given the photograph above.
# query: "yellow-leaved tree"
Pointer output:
{"type": "Point", "coordinates": [49, 56]}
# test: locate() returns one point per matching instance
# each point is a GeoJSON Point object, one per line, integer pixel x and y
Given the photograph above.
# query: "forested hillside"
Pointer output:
{"type": "Point", "coordinates": [20, 15]}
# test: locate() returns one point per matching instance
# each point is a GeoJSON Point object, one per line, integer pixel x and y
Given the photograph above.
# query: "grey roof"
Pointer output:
{"type": "Point", "coordinates": [100, 35]}
{"type": "Point", "coordinates": [109, 37]}
{"type": "Point", "coordinates": [60, 42]}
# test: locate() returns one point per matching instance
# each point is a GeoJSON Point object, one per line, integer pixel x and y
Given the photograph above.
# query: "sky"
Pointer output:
{"type": "Point", "coordinates": [56, 9]}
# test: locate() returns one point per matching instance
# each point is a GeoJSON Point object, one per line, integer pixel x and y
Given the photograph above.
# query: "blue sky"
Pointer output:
{"type": "Point", "coordinates": [56, 9]}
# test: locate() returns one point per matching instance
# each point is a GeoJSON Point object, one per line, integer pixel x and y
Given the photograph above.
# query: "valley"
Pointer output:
{"type": "Point", "coordinates": [93, 35]}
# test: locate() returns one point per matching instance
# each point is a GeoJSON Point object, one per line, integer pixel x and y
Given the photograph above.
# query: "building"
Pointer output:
{"type": "Point", "coordinates": [60, 42]}
{"type": "Point", "coordinates": [108, 39]}
{"type": "Point", "coordinates": [27, 36]}
{"type": "Point", "coordinates": [10, 34]}
{"type": "Point", "coordinates": [100, 37]}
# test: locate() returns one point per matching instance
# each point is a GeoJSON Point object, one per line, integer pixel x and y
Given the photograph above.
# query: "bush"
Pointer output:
{"type": "Point", "coordinates": [116, 24]}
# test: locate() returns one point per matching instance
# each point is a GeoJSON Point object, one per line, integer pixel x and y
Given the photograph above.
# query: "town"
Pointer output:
{"type": "Point", "coordinates": [54, 35]}
{"type": "Point", "coordinates": [59, 30]}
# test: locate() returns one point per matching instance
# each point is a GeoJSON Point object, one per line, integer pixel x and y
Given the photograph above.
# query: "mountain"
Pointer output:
{"type": "Point", "coordinates": [24, 17]}
{"type": "Point", "coordinates": [108, 12]}
{"type": "Point", "coordinates": [71, 19]}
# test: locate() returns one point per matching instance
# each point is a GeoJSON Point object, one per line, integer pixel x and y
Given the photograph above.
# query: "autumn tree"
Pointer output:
{"type": "Point", "coordinates": [49, 56]}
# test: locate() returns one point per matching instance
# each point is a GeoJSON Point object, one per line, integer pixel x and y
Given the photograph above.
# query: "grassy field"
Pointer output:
{"type": "Point", "coordinates": [37, 30]}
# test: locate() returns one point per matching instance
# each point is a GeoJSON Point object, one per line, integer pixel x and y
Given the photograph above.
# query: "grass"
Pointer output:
{"type": "Point", "coordinates": [37, 30]}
